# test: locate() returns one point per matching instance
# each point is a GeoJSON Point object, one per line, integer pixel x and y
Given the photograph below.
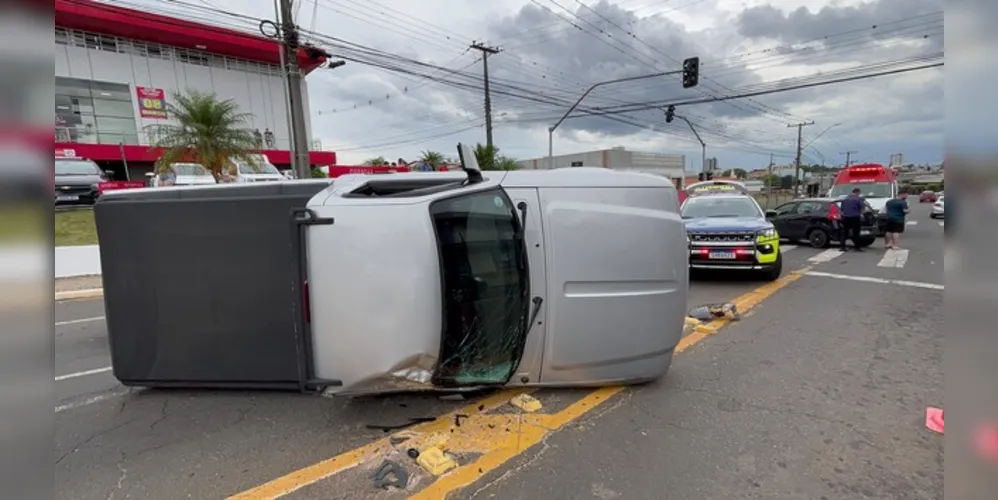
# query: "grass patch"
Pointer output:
{"type": "Point", "coordinates": [75, 227]}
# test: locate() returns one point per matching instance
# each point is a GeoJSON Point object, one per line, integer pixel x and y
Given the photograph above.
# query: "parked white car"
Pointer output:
{"type": "Point", "coordinates": [183, 174]}
{"type": "Point", "coordinates": [938, 208]}
{"type": "Point", "coordinates": [260, 170]}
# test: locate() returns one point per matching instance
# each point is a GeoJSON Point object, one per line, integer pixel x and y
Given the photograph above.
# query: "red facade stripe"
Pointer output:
{"type": "Point", "coordinates": [145, 154]}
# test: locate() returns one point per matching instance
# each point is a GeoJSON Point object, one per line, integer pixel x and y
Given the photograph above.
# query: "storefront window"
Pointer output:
{"type": "Point", "coordinates": [94, 112]}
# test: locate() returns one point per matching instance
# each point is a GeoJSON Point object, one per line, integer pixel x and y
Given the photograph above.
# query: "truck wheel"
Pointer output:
{"type": "Point", "coordinates": [773, 273]}
{"type": "Point", "coordinates": [818, 238]}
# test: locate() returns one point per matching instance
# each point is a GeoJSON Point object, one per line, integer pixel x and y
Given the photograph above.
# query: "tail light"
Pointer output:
{"type": "Point", "coordinates": [833, 212]}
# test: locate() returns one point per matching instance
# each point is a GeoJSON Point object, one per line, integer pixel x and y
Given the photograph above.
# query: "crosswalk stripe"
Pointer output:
{"type": "Point", "coordinates": [870, 279]}
{"type": "Point", "coordinates": [787, 248]}
{"type": "Point", "coordinates": [894, 258]}
{"type": "Point", "coordinates": [826, 256]}
{"type": "Point", "coordinates": [912, 223]}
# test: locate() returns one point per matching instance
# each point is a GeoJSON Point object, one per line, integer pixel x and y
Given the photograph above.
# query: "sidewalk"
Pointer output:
{"type": "Point", "coordinates": [818, 393]}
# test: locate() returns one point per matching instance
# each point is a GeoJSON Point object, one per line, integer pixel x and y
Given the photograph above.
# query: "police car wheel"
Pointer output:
{"type": "Point", "coordinates": [773, 273]}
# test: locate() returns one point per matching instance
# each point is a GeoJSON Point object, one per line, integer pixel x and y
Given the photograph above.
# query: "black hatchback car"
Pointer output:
{"type": "Point", "coordinates": [76, 181]}
{"type": "Point", "coordinates": [817, 221]}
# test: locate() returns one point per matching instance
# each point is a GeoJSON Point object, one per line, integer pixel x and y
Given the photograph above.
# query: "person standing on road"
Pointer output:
{"type": "Point", "coordinates": [896, 209]}
{"type": "Point", "coordinates": [852, 220]}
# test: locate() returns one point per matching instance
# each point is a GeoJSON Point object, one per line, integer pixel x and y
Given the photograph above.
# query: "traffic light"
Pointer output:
{"type": "Point", "coordinates": [701, 177]}
{"type": "Point", "coordinates": [670, 114]}
{"type": "Point", "coordinates": [710, 175]}
{"type": "Point", "coordinates": [691, 72]}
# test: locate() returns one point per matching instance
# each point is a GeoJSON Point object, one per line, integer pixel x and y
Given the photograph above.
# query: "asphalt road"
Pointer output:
{"type": "Point", "coordinates": [819, 391]}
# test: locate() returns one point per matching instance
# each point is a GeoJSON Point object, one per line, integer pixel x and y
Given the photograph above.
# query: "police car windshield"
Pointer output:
{"type": "Point", "coordinates": [717, 206]}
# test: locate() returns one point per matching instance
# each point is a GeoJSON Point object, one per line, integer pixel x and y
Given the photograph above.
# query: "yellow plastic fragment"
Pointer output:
{"type": "Point", "coordinates": [435, 461]}
{"type": "Point", "coordinates": [526, 403]}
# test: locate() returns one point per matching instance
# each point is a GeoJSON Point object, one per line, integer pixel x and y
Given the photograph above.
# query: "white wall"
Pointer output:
{"type": "Point", "coordinates": [618, 159]}
{"type": "Point", "coordinates": [258, 94]}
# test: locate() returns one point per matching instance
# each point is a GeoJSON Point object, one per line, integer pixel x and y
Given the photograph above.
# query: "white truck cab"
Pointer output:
{"type": "Point", "coordinates": [456, 280]}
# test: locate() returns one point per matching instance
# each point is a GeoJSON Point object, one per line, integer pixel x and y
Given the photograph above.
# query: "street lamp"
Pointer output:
{"type": "Point", "coordinates": [821, 134]}
{"type": "Point", "coordinates": [552, 128]}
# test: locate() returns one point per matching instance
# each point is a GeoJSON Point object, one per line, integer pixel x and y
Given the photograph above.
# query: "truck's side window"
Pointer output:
{"type": "Point", "coordinates": [485, 288]}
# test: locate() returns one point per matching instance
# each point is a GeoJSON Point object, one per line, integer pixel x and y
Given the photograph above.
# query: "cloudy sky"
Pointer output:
{"type": "Point", "coordinates": [552, 50]}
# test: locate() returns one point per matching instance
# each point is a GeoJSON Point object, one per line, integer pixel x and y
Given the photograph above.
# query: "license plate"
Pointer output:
{"type": "Point", "coordinates": [864, 233]}
{"type": "Point", "coordinates": [722, 255]}
{"type": "Point", "coordinates": [67, 197]}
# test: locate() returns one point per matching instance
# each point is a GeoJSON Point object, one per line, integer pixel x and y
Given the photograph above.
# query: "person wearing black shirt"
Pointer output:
{"type": "Point", "coordinates": [852, 220]}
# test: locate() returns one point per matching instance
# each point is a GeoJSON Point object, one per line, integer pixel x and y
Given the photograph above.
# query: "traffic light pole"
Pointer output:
{"type": "Point", "coordinates": [552, 128]}
{"type": "Point", "coordinates": [703, 145]}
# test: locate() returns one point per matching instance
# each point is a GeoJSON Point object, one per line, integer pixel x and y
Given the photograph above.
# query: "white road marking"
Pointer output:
{"type": "Point", "coordinates": [91, 400]}
{"type": "Point", "coordinates": [787, 248]}
{"type": "Point", "coordinates": [894, 258]}
{"type": "Point", "coordinates": [869, 279]}
{"type": "Point", "coordinates": [83, 374]}
{"type": "Point", "coordinates": [825, 256]}
{"type": "Point", "coordinates": [75, 321]}
{"type": "Point", "coordinates": [912, 223]}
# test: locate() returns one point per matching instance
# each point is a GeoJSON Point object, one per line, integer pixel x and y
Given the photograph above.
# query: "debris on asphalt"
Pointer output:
{"type": "Point", "coordinates": [452, 397]}
{"type": "Point", "coordinates": [435, 461]}
{"type": "Point", "coordinates": [413, 453]}
{"type": "Point", "coordinates": [934, 419]}
{"type": "Point", "coordinates": [457, 419]}
{"type": "Point", "coordinates": [390, 474]}
{"type": "Point", "coordinates": [707, 312]}
{"type": "Point", "coordinates": [526, 403]}
{"type": "Point", "coordinates": [412, 421]}
{"type": "Point", "coordinates": [397, 440]}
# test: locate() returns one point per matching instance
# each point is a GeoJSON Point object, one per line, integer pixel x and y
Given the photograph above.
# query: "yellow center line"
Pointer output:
{"type": "Point", "coordinates": [497, 437]}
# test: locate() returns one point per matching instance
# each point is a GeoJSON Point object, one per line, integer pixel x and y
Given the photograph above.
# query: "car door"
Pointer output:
{"type": "Point", "coordinates": [780, 219]}
{"type": "Point", "coordinates": [803, 217]}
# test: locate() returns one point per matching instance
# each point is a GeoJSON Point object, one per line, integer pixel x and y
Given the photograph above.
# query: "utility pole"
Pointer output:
{"type": "Point", "coordinates": [800, 150]}
{"type": "Point", "coordinates": [849, 157]}
{"type": "Point", "coordinates": [296, 103]}
{"type": "Point", "coordinates": [769, 181]}
{"type": "Point", "coordinates": [486, 52]}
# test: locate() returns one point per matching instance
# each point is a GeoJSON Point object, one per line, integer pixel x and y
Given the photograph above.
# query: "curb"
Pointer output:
{"type": "Point", "coordinates": [91, 293]}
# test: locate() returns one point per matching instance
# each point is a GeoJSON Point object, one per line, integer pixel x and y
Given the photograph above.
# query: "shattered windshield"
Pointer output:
{"type": "Point", "coordinates": [485, 289]}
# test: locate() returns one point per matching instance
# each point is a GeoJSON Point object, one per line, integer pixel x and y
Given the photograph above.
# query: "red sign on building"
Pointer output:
{"type": "Point", "coordinates": [152, 102]}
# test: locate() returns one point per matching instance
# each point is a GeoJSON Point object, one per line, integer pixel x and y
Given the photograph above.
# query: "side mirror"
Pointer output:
{"type": "Point", "coordinates": [770, 214]}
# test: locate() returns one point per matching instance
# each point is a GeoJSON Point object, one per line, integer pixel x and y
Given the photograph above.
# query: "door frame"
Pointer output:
{"type": "Point", "coordinates": [529, 370]}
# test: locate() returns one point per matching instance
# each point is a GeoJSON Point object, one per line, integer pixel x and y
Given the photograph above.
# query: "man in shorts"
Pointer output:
{"type": "Point", "coordinates": [897, 210]}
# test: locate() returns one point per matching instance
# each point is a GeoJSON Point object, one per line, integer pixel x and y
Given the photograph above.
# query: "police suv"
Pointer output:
{"type": "Point", "coordinates": [727, 230]}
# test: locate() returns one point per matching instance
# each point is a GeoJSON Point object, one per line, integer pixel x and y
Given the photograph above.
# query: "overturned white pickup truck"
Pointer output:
{"type": "Point", "coordinates": [417, 281]}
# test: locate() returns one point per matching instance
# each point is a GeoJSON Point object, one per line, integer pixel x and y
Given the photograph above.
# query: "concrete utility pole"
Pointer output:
{"type": "Point", "coordinates": [769, 181]}
{"type": "Point", "coordinates": [800, 150]}
{"type": "Point", "coordinates": [849, 156]}
{"type": "Point", "coordinates": [486, 52]}
{"type": "Point", "coordinates": [296, 102]}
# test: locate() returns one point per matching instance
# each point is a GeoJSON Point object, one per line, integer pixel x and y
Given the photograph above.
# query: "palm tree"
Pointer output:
{"type": "Point", "coordinates": [434, 158]}
{"type": "Point", "coordinates": [489, 159]}
{"type": "Point", "coordinates": [207, 131]}
{"type": "Point", "coordinates": [376, 162]}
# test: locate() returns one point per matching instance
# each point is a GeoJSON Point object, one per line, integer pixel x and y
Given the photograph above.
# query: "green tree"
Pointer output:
{"type": "Point", "coordinates": [488, 158]}
{"type": "Point", "coordinates": [207, 131]}
{"type": "Point", "coordinates": [376, 161]}
{"type": "Point", "coordinates": [434, 158]}
{"type": "Point", "coordinates": [740, 173]}
{"type": "Point", "coordinates": [318, 174]}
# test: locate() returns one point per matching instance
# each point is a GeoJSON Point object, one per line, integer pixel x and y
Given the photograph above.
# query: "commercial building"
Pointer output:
{"type": "Point", "coordinates": [117, 68]}
{"type": "Point", "coordinates": [618, 158]}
